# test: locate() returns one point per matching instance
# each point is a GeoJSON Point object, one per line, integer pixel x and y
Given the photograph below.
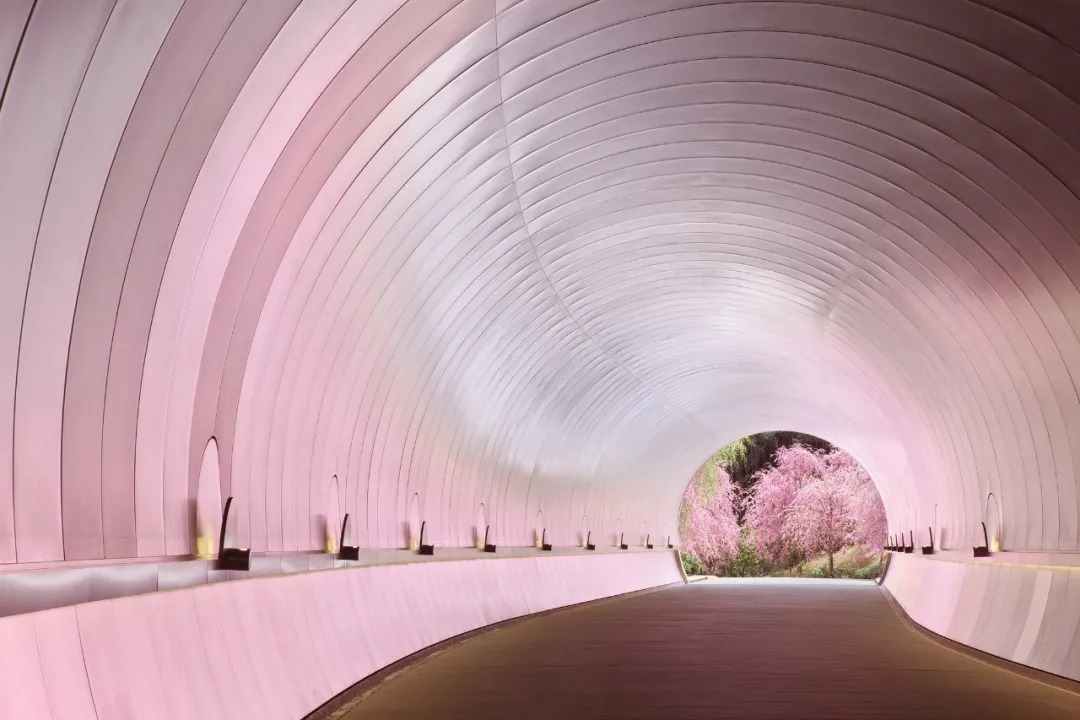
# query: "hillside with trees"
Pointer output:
{"type": "Point", "coordinates": [782, 504]}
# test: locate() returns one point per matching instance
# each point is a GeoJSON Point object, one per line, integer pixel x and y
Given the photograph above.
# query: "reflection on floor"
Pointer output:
{"type": "Point", "coordinates": [716, 649]}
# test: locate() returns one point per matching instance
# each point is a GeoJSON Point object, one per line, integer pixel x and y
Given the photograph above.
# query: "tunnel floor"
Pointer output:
{"type": "Point", "coordinates": [715, 649]}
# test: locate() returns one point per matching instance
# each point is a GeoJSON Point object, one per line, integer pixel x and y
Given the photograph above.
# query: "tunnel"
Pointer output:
{"type": "Point", "coordinates": [505, 272]}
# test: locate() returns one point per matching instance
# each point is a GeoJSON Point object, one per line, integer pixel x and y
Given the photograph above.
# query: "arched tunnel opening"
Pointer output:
{"type": "Point", "coordinates": [335, 329]}
{"type": "Point", "coordinates": [782, 503]}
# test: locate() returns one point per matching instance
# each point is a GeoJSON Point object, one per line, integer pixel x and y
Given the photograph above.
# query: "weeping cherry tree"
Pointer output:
{"type": "Point", "coordinates": [707, 522]}
{"type": "Point", "coordinates": [814, 502]}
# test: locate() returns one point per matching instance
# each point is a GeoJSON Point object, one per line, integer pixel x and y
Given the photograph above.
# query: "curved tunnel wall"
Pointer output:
{"type": "Point", "coordinates": [539, 255]}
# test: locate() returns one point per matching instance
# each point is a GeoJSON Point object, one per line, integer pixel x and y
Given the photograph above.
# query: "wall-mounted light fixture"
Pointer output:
{"type": "Point", "coordinates": [489, 547]}
{"type": "Point", "coordinates": [984, 549]}
{"type": "Point", "coordinates": [622, 544]}
{"type": "Point", "coordinates": [648, 542]}
{"type": "Point", "coordinates": [993, 533]}
{"type": "Point", "coordinates": [231, 558]}
{"type": "Point", "coordinates": [910, 547]}
{"type": "Point", "coordinates": [670, 546]}
{"type": "Point", "coordinates": [939, 544]}
{"type": "Point", "coordinates": [588, 542]}
{"type": "Point", "coordinates": [425, 549]}
{"type": "Point", "coordinates": [347, 552]}
{"type": "Point", "coordinates": [929, 549]}
{"type": "Point", "coordinates": [544, 544]}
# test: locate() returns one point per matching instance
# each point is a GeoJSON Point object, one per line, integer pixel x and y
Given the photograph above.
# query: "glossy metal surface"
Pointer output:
{"type": "Point", "coordinates": [404, 258]}
{"type": "Point", "coordinates": [279, 647]}
{"type": "Point", "coordinates": [544, 255]}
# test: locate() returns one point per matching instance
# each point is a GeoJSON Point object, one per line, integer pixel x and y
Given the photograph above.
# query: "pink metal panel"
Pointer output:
{"type": "Point", "coordinates": [22, 687]}
{"type": "Point", "coordinates": [187, 646]}
{"type": "Point", "coordinates": [280, 646]}
{"type": "Point", "coordinates": [14, 17]}
{"type": "Point", "coordinates": [108, 91]}
{"type": "Point", "coordinates": [105, 660]}
{"type": "Point", "coordinates": [229, 659]}
{"type": "Point", "coordinates": [539, 255]}
{"type": "Point", "coordinates": [102, 447]}
{"type": "Point", "coordinates": [60, 654]}
{"type": "Point", "coordinates": [1022, 613]}
{"type": "Point", "coordinates": [38, 105]}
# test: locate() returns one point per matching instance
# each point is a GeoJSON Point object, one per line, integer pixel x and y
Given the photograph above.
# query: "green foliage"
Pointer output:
{"type": "Point", "coordinates": [741, 459]}
{"type": "Point", "coordinates": [692, 565]}
{"type": "Point", "coordinates": [746, 563]}
{"type": "Point", "coordinates": [709, 472]}
{"type": "Point", "coordinates": [851, 562]}
{"type": "Point", "coordinates": [735, 455]}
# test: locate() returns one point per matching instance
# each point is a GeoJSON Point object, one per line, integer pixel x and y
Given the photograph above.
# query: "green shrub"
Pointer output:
{"type": "Point", "coordinates": [692, 565]}
{"type": "Point", "coordinates": [746, 563]}
{"type": "Point", "coordinates": [851, 562]}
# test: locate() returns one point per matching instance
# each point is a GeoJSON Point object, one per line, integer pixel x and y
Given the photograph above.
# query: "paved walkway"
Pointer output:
{"type": "Point", "coordinates": [724, 649]}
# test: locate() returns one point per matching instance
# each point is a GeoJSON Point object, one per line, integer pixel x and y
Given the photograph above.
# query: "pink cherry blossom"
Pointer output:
{"type": "Point", "coordinates": [814, 502]}
{"type": "Point", "coordinates": [710, 531]}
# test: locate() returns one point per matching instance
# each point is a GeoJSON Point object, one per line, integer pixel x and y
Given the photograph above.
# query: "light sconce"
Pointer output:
{"type": "Point", "coordinates": [622, 544]}
{"type": "Point", "coordinates": [648, 542]}
{"type": "Point", "coordinates": [488, 547]}
{"type": "Point", "coordinates": [231, 558]}
{"type": "Point", "coordinates": [544, 544]}
{"type": "Point", "coordinates": [929, 549]}
{"type": "Point", "coordinates": [589, 545]}
{"type": "Point", "coordinates": [981, 551]}
{"type": "Point", "coordinates": [991, 543]}
{"type": "Point", "coordinates": [425, 549]}
{"type": "Point", "coordinates": [910, 547]}
{"type": "Point", "coordinates": [670, 546]}
{"type": "Point", "coordinates": [347, 552]}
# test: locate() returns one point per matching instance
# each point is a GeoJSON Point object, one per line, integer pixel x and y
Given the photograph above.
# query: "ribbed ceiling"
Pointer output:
{"type": "Point", "coordinates": [540, 255]}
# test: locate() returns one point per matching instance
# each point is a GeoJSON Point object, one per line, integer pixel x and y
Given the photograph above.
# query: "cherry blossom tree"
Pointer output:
{"type": "Point", "coordinates": [814, 502]}
{"type": "Point", "coordinates": [709, 529]}
{"type": "Point", "coordinates": [869, 524]}
{"type": "Point", "coordinates": [769, 504]}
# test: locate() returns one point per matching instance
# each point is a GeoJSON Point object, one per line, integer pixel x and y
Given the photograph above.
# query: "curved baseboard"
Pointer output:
{"type": "Point", "coordinates": [1028, 615]}
{"type": "Point", "coordinates": [279, 647]}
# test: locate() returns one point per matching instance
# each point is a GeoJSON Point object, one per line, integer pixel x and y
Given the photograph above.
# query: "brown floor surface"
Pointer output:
{"type": "Point", "coordinates": [729, 649]}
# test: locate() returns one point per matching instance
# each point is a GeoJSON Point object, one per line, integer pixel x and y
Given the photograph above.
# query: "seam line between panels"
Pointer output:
{"type": "Point", "coordinates": [161, 160]}
{"type": "Point", "coordinates": [82, 654]}
{"type": "Point", "coordinates": [79, 295]}
{"type": "Point", "coordinates": [543, 268]}
{"type": "Point", "coordinates": [26, 299]}
{"type": "Point", "coordinates": [15, 55]}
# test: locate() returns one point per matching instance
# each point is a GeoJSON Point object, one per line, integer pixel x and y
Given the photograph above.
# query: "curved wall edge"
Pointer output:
{"type": "Point", "coordinates": [1028, 614]}
{"type": "Point", "coordinates": [279, 647]}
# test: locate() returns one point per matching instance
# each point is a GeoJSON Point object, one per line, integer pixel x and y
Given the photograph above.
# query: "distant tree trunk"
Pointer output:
{"type": "Point", "coordinates": [830, 564]}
